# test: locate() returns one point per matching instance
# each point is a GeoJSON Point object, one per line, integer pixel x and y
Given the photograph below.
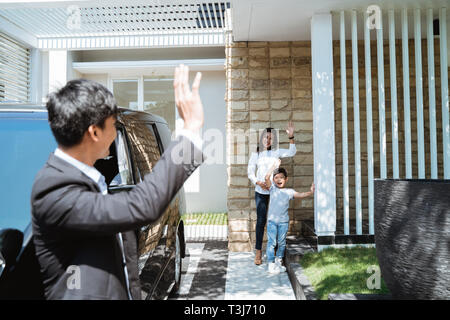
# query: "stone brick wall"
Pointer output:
{"type": "Point", "coordinates": [268, 84]}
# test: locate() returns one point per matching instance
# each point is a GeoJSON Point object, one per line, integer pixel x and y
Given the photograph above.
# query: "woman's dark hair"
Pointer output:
{"type": "Point", "coordinates": [274, 139]}
{"type": "Point", "coordinates": [76, 106]}
{"type": "Point", "coordinates": [280, 170]}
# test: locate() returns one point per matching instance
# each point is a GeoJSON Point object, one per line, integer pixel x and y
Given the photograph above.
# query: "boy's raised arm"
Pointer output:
{"type": "Point", "coordinates": [302, 195]}
{"type": "Point", "coordinates": [269, 173]}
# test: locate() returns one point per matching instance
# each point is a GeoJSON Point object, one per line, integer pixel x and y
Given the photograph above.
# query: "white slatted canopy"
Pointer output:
{"type": "Point", "coordinates": [113, 24]}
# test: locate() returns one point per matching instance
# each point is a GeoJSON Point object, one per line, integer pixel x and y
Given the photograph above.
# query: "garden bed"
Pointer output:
{"type": "Point", "coordinates": [341, 271]}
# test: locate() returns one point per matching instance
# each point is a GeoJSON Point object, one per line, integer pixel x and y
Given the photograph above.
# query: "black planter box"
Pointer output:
{"type": "Point", "coordinates": [412, 236]}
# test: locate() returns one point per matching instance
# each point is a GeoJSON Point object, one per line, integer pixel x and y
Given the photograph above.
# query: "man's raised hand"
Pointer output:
{"type": "Point", "coordinates": [188, 101]}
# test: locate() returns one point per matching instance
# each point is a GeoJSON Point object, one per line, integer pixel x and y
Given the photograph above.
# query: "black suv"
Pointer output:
{"type": "Point", "coordinates": [26, 142]}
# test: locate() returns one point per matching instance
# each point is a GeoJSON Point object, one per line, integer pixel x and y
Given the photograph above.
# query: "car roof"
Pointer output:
{"type": "Point", "coordinates": [23, 111]}
{"type": "Point", "coordinates": [40, 111]}
{"type": "Point", "coordinates": [141, 115]}
{"type": "Point", "coordinates": [22, 108]}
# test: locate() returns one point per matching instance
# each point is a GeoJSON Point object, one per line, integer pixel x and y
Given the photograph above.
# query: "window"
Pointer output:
{"type": "Point", "coordinates": [159, 98]}
{"type": "Point", "coordinates": [153, 94]}
{"type": "Point", "coordinates": [14, 71]}
{"type": "Point", "coordinates": [126, 93]}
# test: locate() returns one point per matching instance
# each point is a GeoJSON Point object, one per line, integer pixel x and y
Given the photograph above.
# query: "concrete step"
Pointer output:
{"type": "Point", "coordinates": [295, 249]}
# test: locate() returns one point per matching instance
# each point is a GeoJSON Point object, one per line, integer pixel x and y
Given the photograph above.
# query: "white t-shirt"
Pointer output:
{"type": "Point", "coordinates": [279, 204]}
{"type": "Point", "coordinates": [263, 161]}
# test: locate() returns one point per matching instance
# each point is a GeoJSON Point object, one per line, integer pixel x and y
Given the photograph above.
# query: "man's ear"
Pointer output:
{"type": "Point", "coordinates": [92, 132]}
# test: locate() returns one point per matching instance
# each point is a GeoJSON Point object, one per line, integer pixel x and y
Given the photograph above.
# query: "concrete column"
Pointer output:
{"type": "Point", "coordinates": [57, 69]}
{"type": "Point", "coordinates": [323, 125]}
{"type": "Point", "coordinates": [36, 76]}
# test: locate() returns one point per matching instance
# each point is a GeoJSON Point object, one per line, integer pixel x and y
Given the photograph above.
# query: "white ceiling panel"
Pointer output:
{"type": "Point", "coordinates": [289, 20]}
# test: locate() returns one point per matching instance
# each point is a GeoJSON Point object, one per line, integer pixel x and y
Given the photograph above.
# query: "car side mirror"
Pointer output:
{"type": "Point", "coordinates": [10, 245]}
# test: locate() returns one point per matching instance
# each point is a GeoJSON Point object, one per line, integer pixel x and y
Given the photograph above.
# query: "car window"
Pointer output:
{"type": "Point", "coordinates": [146, 152]}
{"type": "Point", "coordinates": [25, 147]}
{"type": "Point", "coordinates": [165, 135]}
{"type": "Point", "coordinates": [124, 176]}
{"type": "Point", "coordinates": [144, 146]}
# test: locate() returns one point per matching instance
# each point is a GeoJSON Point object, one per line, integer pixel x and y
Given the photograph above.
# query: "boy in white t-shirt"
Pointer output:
{"type": "Point", "coordinates": [278, 216]}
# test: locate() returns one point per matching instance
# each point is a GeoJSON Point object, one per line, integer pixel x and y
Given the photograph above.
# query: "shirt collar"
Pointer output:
{"type": "Point", "coordinates": [91, 172]}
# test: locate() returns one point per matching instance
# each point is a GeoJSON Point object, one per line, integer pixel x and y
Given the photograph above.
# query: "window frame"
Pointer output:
{"type": "Point", "coordinates": [140, 88]}
{"type": "Point", "coordinates": [112, 189]}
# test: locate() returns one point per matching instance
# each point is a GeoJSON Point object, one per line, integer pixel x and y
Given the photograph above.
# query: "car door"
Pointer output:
{"type": "Point", "coordinates": [153, 240]}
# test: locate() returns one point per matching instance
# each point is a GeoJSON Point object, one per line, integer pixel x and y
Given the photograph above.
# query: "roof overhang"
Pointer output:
{"type": "Point", "coordinates": [101, 24]}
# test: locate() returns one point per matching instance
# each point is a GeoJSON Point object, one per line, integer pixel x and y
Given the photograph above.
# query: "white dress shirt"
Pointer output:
{"type": "Point", "coordinates": [194, 137]}
{"type": "Point", "coordinates": [263, 161]}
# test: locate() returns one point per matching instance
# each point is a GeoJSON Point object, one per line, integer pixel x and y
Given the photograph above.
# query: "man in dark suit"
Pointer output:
{"type": "Point", "coordinates": [80, 231]}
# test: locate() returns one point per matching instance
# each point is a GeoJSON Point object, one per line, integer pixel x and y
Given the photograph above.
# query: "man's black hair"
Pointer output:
{"type": "Point", "coordinates": [76, 106]}
{"type": "Point", "coordinates": [280, 170]}
{"type": "Point", "coordinates": [274, 140]}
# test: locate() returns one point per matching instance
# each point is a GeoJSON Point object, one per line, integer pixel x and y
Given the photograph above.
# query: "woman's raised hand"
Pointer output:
{"type": "Point", "coordinates": [188, 102]}
{"type": "Point", "coordinates": [290, 129]}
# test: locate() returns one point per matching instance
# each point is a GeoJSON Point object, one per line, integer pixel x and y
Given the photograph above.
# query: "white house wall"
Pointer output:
{"type": "Point", "coordinates": [212, 196]}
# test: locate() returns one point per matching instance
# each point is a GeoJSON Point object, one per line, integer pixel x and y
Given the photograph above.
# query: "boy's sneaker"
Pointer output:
{"type": "Point", "coordinates": [273, 268]}
{"type": "Point", "coordinates": [279, 264]}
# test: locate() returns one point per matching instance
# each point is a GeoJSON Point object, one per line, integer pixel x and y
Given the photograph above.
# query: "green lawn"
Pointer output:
{"type": "Point", "coordinates": [341, 271]}
{"type": "Point", "coordinates": [205, 218]}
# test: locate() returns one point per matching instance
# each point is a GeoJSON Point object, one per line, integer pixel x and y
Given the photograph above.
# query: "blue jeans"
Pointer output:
{"type": "Point", "coordinates": [262, 204]}
{"type": "Point", "coordinates": [276, 234]}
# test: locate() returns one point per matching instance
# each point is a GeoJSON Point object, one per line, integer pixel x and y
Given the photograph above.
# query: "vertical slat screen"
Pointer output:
{"type": "Point", "coordinates": [432, 95]}
{"type": "Point", "coordinates": [393, 89]}
{"type": "Point", "coordinates": [356, 132]}
{"type": "Point", "coordinates": [444, 91]}
{"type": "Point", "coordinates": [14, 71]}
{"type": "Point", "coordinates": [344, 125]}
{"type": "Point", "coordinates": [399, 162]}
{"type": "Point", "coordinates": [406, 94]}
{"type": "Point", "coordinates": [369, 125]}
{"type": "Point", "coordinates": [381, 101]}
{"type": "Point", "coordinates": [419, 94]}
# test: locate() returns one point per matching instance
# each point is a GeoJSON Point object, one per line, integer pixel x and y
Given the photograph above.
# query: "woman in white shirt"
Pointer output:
{"type": "Point", "coordinates": [262, 161]}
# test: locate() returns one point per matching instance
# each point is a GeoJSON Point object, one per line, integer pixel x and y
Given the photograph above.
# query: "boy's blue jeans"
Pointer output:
{"type": "Point", "coordinates": [276, 233]}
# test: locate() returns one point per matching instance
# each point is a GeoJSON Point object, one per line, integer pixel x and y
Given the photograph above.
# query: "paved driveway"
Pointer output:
{"type": "Point", "coordinates": [210, 272]}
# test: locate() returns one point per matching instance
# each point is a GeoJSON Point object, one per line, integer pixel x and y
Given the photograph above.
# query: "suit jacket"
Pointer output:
{"type": "Point", "coordinates": [75, 227]}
